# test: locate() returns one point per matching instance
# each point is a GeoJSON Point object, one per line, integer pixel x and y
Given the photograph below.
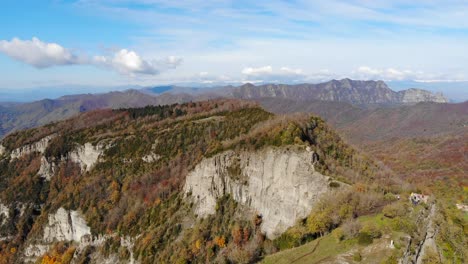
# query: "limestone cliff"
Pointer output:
{"type": "Point", "coordinates": [39, 146]}
{"type": "Point", "coordinates": [66, 225]}
{"type": "Point", "coordinates": [4, 214]}
{"type": "Point", "coordinates": [413, 95]}
{"type": "Point", "coordinates": [47, 169]}
{"type": "Point", "coordinates": [2, 150]}
{"type": "Point", "coordinates": [87, 155]}
{"type": "Point", "coordinates": [281, 184]}
{"type": "Point", "coordinates": [69, 225]}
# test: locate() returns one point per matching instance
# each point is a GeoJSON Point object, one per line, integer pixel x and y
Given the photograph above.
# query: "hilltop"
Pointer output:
{"type": "Point", "coordinates": [129, 181]}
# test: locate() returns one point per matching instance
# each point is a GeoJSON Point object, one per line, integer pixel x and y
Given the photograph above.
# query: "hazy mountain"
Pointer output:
{"type": "Point", "coordinates": [355, 92]}
{"type": "Point", "coordinates": [25, 115]}
{"type": "Point", "coordinates": [361, 93]}
{"type": "Point", "coordinates": [378, 123]}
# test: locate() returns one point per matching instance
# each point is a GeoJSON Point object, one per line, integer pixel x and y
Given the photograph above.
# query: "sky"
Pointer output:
{"type": "Point", "coordinates": [155, 42]}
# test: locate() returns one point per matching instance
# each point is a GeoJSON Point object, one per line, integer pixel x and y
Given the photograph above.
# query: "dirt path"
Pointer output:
{"type": "Point", "coordinates": [310, 253]}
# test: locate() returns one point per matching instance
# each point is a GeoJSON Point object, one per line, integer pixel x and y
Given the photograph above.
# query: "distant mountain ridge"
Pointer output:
{"type": "Point", "coordinates": [345, 90]}
{"type": "Point", "coordinates": [359, 93]}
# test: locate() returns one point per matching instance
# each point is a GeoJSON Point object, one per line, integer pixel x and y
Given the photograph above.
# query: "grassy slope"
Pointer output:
{"type": "Point", "coordinates": [328, 249]}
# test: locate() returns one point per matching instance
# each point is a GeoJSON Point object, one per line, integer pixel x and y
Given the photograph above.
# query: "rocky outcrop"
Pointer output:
{"type": "Point", "coordinates": [34, 251]}
{"type": "Point", "coordinates": [415, 253]}
{"type": "Point", "coordinates": [4, 214]}
{"type": "Point", "coordinates": [428, 244]}
{"type": "Point", "coordinates": [279, 183]}
{"type": "Point", "coordinates": [413, 95]}
{"type": "Point", "coordinates": [47, 169]}
{"type": "Point", "coordinates": [2, 150]}
{"type": "Point", "coordinates": [39, 146]}
{"type": "Point", "coordinates": [66, 225]}
{"type": "Point", "coordinates": [87, 155]}
{"type": "Point", "coordinates": [152, 157]}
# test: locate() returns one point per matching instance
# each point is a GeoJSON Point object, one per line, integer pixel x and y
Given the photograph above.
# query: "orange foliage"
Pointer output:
{"type": "Point", "coordinates": [220, 241]}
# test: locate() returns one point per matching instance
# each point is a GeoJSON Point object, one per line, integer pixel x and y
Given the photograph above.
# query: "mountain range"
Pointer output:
{"type": "Point", "coordinates": [235, 175]}
{"type": "Point", "coordinates": [363, 94]}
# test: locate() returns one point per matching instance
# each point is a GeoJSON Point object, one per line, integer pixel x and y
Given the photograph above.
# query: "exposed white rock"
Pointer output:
{"type": "Point", "coordinates": [152, 157]}
{"type": "Point", "coordinates": [66, 226]}
{"type": "Point", "coordinates": [4, 213]}
{"type": "Point", "coordinates": [39, 146]}
{"type": "Point", "coordinates": [417, 95]}
{"type": "Point", "coordinates": [2, 150]}
{"type": "Point", "coordinates": [87, 155]}
{"type": "Point", "coordinates": [47, 169]}
{"type": "Point", "coordinates": [129, 243]}
{"type": "Point", "coordinates": [34, 251]}
{"type": "Point", "coordinates": [279, 183]}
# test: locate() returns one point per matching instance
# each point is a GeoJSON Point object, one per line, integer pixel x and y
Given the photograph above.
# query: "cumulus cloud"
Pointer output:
{"type": "Point", "coordinates": [43, 55]}
{"type": "Point", "coordinates": [287, 70]}
{"type": "Point", "coordinates": [257, 71]}
{"type": "Point", "coordinates": [394, 74]}
{"type": "Point", "coordinates": [268, 74]}
{"type": "Point", "coordinates": [37, 53]}
{"type": "Point", "coordinates": [129, 62]}
{"type": "Point", "coordinates": [365, 72]}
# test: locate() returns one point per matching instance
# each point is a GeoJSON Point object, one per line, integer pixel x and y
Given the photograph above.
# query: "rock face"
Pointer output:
{"type": "Point", "coordinates": [47, 169]}
{"type": "Point", "coordinates": [279, 183]}
{"type": "Point", "coordinates": [428, 243]}
{"type": "Point", "coordinates": [33, 252]}
{"type": "Point", "coordinates": [415, 254]}
{"type": "Point", "coordinates": [413, 95]}
{"type": "Point", "coordinates": [2, 150]}
{"type": "Point", "coordinates": [87, 155]}
{"type": "Point", "coordinates": [152, 157]}
{"type": "Point", "coordinates": [4, 213]}
{"type": "Point", "coordinates": [66, 226]}
{"type": "Point", "coordinates": [39, 146]}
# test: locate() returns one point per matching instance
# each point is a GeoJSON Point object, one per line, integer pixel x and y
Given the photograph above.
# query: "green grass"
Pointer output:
{"type": "Point", "coordinates": [311, 252]}
{"type": "Point", "coordinates": [328, 246]}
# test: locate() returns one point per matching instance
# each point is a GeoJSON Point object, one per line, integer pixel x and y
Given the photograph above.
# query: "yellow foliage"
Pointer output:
{"type": "Point", "coordinates": [49, 260]}
{"type": "Point", "coordinates": [13, 250]}
{"type": "Point", "coordinates": [198, 244]}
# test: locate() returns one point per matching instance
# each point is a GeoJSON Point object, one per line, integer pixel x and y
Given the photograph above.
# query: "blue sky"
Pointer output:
{"type": "Point", "coordinates": [152, 42]}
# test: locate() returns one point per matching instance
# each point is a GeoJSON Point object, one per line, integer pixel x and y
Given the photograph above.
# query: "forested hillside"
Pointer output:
{"type": "Point", "coordinates": [107, 186]}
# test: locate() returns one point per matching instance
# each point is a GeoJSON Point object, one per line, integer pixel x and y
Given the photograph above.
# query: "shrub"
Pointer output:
{"type": "Point", "coordinates": [372, 229]}
{"type": "Point", "coordinates": [351, 228]}
{"type": "Point", "coordinates": [395, 209]}
{"type": "Point", "coordinates": [364, 239]}
{"type": "Point", "coordinates": [357, 257]}
{"type": "Point", "coordinates": [339, 234]}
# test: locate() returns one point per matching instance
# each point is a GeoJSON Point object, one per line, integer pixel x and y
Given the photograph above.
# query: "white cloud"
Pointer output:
{"type": "Point", "coordinates": [389, 74]}
{"type": "Point", "coordinates": [268, 74]}
{"type": "Point", "coordinates": [43, 55]}
{"type": "Point", "coordinates": [37, 53]}
{"type": "Point", "coordinates": [129, 62]}
{"type": "Point", "coordinates": [266, 70]}
{"type": "Point", "coordinates": [287, 70]}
